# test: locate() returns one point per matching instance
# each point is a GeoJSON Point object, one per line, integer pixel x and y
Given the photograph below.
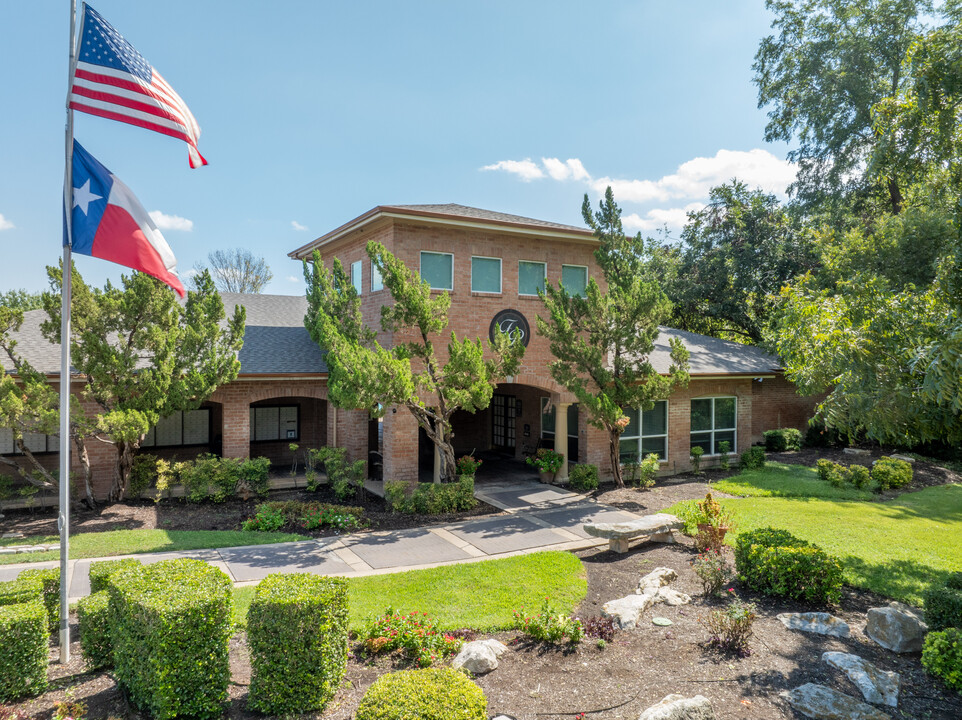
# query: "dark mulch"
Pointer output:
{"type": "Point", "coordinates": [637, 669]}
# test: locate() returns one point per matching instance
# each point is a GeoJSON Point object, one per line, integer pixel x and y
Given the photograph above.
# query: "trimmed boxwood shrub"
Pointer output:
{"type": "Point", "coordinates": [431, 498]}
{"type": "Point", "coordinates": [92, 612]}
{"type": "Point", "coordinates": [21, 590]}
{"type": "Point", "coordinates": [783, 439]}
{"type": "Point", "coordinates": [753, 458]}
{"type": "Point", "coordinates": [170, 624]}
{"type": "Point", "coordinates": [891, 473]}
{"type": "Point", "coordinates": [255, 472]}
{"type": "Point", "coordinates": [101, 571]}
{"type": "Point", "coordinates": [775, 562]}
{"type": "Point", "coordinates": [943, 604]}
{"type": "Point", "coordinates": [431, 694]}
{"type": "Point", "coordinates": [583, 477]}
{"type": "Point", "coordinates": [23, 650]}
{"type": "Point", "coordinates": [50, 580]}
{"type": "Point", "coordinates": [942, 656]}
{"type": "Point", "coordinates": [297, 628]}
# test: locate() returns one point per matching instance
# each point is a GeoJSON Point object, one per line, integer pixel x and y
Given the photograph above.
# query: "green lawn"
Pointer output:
{"type": "Point", "coordinates": [780, 480]}
{"type": "Point", "coordinates": [126, 542]}
{"type": "Point", "coordinates": [481, 595]}
{"type": "Point", "coordinates": [896, 548]}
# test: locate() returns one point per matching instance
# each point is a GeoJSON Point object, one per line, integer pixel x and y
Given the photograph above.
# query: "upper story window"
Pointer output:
{"type": "Point", "coordinates": [376, 282]}
{"type": "Point", "coordinates": [437, 270]}
{"type": "Point", "coordinates": [646, 433]}
{"type": "Point", "coordinates": [356, 276]}
{"type": "Point", "coordinates": [574, 279]}
{"type": "Point", "coordinates": [531, 276]}
{"type": "Point", "coordinates": [713, 421]}
{"type": "Point", "coordinates": [182, 428]}
{"type": "Point", "coordinates": [485, 275]}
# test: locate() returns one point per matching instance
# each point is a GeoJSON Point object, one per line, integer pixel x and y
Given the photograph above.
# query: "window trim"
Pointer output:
{"type": "Point", "coordinates": [375, 273]}
{"type": "Point", "coordinates": [500, 289]}
{"type": "Point", "coordinates": [251, 434]}
{"type": "Point", "coordinates": [421, 266]}
{"type": "Point", "coordinates": [714, 430]}
{"type": "Point", "coordinates": [532, 262]}
{"type": "Point", "coordinates": [587, 276]}
{"type": "Point", "coordinates": [641, 432]}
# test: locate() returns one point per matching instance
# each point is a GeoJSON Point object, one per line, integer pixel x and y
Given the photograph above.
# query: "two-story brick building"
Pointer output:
{"type": "Point", "coordinates": [492, 265]}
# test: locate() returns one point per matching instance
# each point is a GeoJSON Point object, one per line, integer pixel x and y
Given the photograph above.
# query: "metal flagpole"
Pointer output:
{"type": "Point", "coordinates": [63, 520]}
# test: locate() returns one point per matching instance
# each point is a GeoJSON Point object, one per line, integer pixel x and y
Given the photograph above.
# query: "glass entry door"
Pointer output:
{"type": "Point", "coordinates": [504, 411]}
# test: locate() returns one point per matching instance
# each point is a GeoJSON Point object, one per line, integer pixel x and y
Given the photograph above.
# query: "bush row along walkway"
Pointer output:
{"type": "Point", "coordinates": [538, 517]}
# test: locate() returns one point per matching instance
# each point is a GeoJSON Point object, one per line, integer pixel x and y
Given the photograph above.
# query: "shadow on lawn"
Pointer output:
{"type": "Point", "coordinates": [903, 580]}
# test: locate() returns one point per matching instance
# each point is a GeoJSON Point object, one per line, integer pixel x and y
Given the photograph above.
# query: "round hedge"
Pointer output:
{"type": "Point", "coordinates": [430, 694]}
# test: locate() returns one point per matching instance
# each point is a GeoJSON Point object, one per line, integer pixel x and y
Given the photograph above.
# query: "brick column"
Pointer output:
{"type": "Point", "coordinates": [400, 445]}
{"type": "Point", "coordinates": [348, 429]}
{"type": "Point", "coordinates": [596, 441]}
{"type": "Point", "coordinates": [237, 427]}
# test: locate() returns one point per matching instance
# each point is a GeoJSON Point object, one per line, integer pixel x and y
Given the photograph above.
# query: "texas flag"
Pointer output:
{"type": "Point", "coordinates": [111, 224]}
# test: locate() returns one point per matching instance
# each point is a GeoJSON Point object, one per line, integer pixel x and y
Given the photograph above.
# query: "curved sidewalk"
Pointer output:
{"type": "Point", "coordinates": [538, 517]}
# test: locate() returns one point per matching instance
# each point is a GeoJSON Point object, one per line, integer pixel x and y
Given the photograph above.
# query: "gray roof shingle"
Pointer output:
{"type": "Point", "coordinates": [711, 356]}
{"type": "Point", "coordinates": [463, 211]}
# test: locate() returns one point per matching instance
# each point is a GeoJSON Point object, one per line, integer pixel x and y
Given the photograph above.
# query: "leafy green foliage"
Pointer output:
{"type": "Point", "coordinates": [943, 603]}
{"type": "Point", "coordinates": [469, 465]}
{"type": "Point", "coordinates": [695, 457]}
{"type": "Point", "coordinates": [891, 473]}
{"type": "Point", "coordinates": [601, 341]}
{"type": "Point", "coordinates": [583, 478]}
{"type": "Point", "coordinates": [23, 652]}
{"type": "Point", "coordinates": [729, 628]}
{"type": "Point", "coordinates": [101, 571]}
{"type": "Point", "coordinates": [546, 460]}
{"type": "Point", "coordinates": [170, 624]}
{"type": "Point", "coordinates": [94, 617]}
{"type": "Point", "coordinates": [775, 562]}
{"type": "Point", "coordinates": [23, 589]}
{"type": "Point", "coordinates": [415, 374]}
{"type": "Point", "coordinates": [49, 578]}
{"type": "Point", "coordinates": [429, 694]}
{"type": "Point", "coordinates": [753, 459]}
{"type": "Point", "coordinates": [415, 635]}
{"type": "Point", "coordinates": [548, 625]}
{"type": "Point", "coordinates": [714, 571]}
{"type": "Point", "coordinates": [783, 439]}
{"type": "Point", "coordinates": [266, 519]}
{"type": "Point", "coordinates": [942, 656]}
{"type": "Point", "coordinates": [21, 300]}
{"type": "Point", "coordinates": [297, 634]}
{"type": "Point", "coordinates": [430, 498]}
{"type": "Point", "coordinates": [255, 472]}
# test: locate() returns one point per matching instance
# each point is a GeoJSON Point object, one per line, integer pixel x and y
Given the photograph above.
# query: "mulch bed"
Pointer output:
{"type": "Point", "coordinates": [637, 669]}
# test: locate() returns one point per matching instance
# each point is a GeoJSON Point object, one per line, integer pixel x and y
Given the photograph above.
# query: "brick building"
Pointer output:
{"type": "Point", "coordinates": [491, 264]}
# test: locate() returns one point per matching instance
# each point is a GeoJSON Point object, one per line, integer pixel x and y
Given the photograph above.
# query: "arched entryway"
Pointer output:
{"type": "Point", "coordinates": [278, 423]}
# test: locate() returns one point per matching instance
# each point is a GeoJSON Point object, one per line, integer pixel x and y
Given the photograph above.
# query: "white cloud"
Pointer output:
{"type": "Point", "coordinates": [658, 218]}
{"type": "Point", "coordinates": [294, 278]}
{"type": "Point", "coordinates": [4, 223]}
{"type": "Point", "coordinates": [524, 169]}
{"type": "Point", "coordinates": [297, 226]}
{"type": "Point", "coordinates": [171, 222]}
{"type": "Point", "coordinates": [570, 169]}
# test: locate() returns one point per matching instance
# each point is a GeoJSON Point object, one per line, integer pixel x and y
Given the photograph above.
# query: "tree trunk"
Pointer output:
{"type": "Point", "coordinates": [614, 450]}
{"type": "Point", "coordinates": [895, 196]}
{"type": "Point", "coordinates": [124, 463]}
{"type": "Point", "coordinates": [84, 457]}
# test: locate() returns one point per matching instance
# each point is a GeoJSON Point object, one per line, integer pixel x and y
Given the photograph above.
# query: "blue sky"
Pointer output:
{"type": "Point", "coordinates": [314, 112]}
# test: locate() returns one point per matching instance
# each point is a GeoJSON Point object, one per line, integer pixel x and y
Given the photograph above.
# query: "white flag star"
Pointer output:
{"type": "Point", "coordinates": [83, 197]}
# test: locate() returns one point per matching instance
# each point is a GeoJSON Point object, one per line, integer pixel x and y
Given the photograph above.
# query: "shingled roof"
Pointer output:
{"type": "Point", "coordinates": [711, 356]}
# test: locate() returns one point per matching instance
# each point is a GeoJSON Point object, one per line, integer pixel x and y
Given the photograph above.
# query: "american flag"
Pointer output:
{"type": "Point", "coordinates": [114, 81]}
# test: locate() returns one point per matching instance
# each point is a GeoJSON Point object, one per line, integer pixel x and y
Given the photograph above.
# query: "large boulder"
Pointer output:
{"type": "Point", "coordinates": [877, 686]}
{"type": "Point", "coordinates": [626, 611]}
{"type": "Point", "coordinates": [815, 622]}
{"type": "Point", "coordinates": [670, 596]}
{"type": "Point", "coordinates": [657, 578]}
{"type": "Point", "coordinates": [896, 627]}
{"type": "Point", "coordinates": [823, 703]}
{"type": "Point", "coordinates": [678, 707]}
{"type": "Point", "coordinates": [479, 656]}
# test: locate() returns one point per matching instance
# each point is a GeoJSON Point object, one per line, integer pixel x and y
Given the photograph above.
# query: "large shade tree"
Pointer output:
{"type": "Point", "coordinates": [602, 340]}
{"type": "Point", "coordinates": [417, 371]}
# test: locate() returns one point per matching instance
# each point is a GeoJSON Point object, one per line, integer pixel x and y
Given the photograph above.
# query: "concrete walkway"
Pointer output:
{"type": "Point", "coordinates": [539, 517]}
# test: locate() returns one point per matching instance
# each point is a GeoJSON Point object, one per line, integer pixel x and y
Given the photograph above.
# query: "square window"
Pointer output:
{"type": "Point", "coordinates": [700, 415]}
{"type": "Point", "coordinates": [197, 427]}
{"type": "Point", "coordinates": [437, 270]}
{"type": "Point", "coordinates": [655, 421]}
{"type": "Point", "coordinates": [713, 421]}
{"type": "Point", "coordinates": [376, 282]}
{"type": "Point", "coordinates": [628, 450]}
{"type": "Point", "coordinates": [485, 275]}
{"type": "Point", "coordinates": [356, 276]}
{"type": "Point", "coordinates": [574, 278]}
{"type": "Point", "coordinates": [657, 445]}
{"type": "Point", "coordinates": [724, 413]}
{"type": "Point", "coordinates": [531, 277]}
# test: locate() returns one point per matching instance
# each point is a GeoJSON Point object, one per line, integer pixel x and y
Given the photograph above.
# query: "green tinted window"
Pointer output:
{"type": "Point", "coordinates": [574, 279]}
{"type": "Point", "coordinates": [530, 277]}
{"type": "Point", "coordinates": [700, 415]}
{"type": "Point", "coordinates": [485, 275]}
{"type": "Point", "coordinates": [437, 269]}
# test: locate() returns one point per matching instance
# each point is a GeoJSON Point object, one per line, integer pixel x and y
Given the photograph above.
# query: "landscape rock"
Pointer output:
{"type": "Point", "coordinates": [626, 611]}
{"type": "Point", "coordinates": [678, 707]}
{"type": "Point", "coordinates": [671, 597]}
{"type": "Point", "coordinates": [476, 657]}
{"type": "Point", "coordinates": [497, 647]}
{"type": "Point", "coordinates": [904, 458]}
{"type": "Point", "coordinates": [877, 686]}
{"type": "Point", "coordinates": [815, 622]}
{"type": "Point", "coordinates": [896, 627]}
{"type": "Point", "coordinates": [657, 578]}
{"type": "Point", "coordinates": [823, 703]}
{"type": "Point", "coordinates": [856, 451]}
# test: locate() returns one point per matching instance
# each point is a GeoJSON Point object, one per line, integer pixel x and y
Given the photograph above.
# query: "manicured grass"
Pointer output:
{"type": "Point", "coordinates": [126, 542]}
{"type": "Point", "coordinates": [896, 548]}
{"type": "Point", "coordinates": [481, 595]}
{"type": "Point", "coordinates": [780, 480]}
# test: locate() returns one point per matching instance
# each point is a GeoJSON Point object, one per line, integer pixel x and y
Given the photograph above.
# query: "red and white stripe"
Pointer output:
{"type": "Point", "coordinates": [120, 96]}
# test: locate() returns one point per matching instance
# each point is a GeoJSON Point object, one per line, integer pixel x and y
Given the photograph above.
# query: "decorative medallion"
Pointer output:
{"type": "Point", "coordinates": [507, 321]}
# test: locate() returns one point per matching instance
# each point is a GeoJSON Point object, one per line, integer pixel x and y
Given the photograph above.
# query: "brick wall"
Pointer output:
{"type": "Point", "coordinates": [777, 404]}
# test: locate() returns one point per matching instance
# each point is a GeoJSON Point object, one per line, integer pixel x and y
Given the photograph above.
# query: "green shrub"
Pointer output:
{"type": "Point", "coordinates": [891, 473]}
{"type": "Point", "coordinates": [293, 514]}
{"type": "Point", "coordinates": [431, 498]}
{"type": "Point", "coordinates": [170, 624]}
{"type": "Point", "coordinates": [942, 656]}
{"type": "Point", "coordinates": [102, 570]}
{"type": "Point", "coordinates": [830, 472]}
{"type": "Point", "coordinates": [210, 478]}
{"type": "Point", "coordinates": [783, 439]}
{"type": "Point", "coordinates": [267, 519]}
{"type": "Point", "coordinates": [696, 453]}
{"type": "Point", "coordinates": [255, 473]}
{"type": "Point", "coordinates": [431, 694]}
{"type": "Point", "coordinates": [143, 474]}
{"type": "Point", "coordinates": [21, 590]}
{"type": "Point", "coordinates": [642, 473]}
{"type": "Point", "coordinates": [775, 562]}
{"type": "Point", "coordinates": [837, 475]}
{"type": "Point", "coordinates": [297, 635]}
{"type": "Point", "coordinates": [724, 454]}
{"type": "Point", "coordinates": [943, 604]}
{"type": "Point", "coordinates": [583, 477]}
{"type": "Point", "coordinates": [49, 578]}
{"type": "Point", "coordinates": [753, 458]}
{"type": "Point", "coordinates": [92, 613]}
{"type": "Point", "coordinates": [23, 650]}
{"type": "Point", "coordinates": [416, 635]}
{"type": "Point", "coordinates": [549, 626]}
{"type": "Point", "coordinates": [729, 628]}
{"type": "Point", "coordinates": [858, 475]}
